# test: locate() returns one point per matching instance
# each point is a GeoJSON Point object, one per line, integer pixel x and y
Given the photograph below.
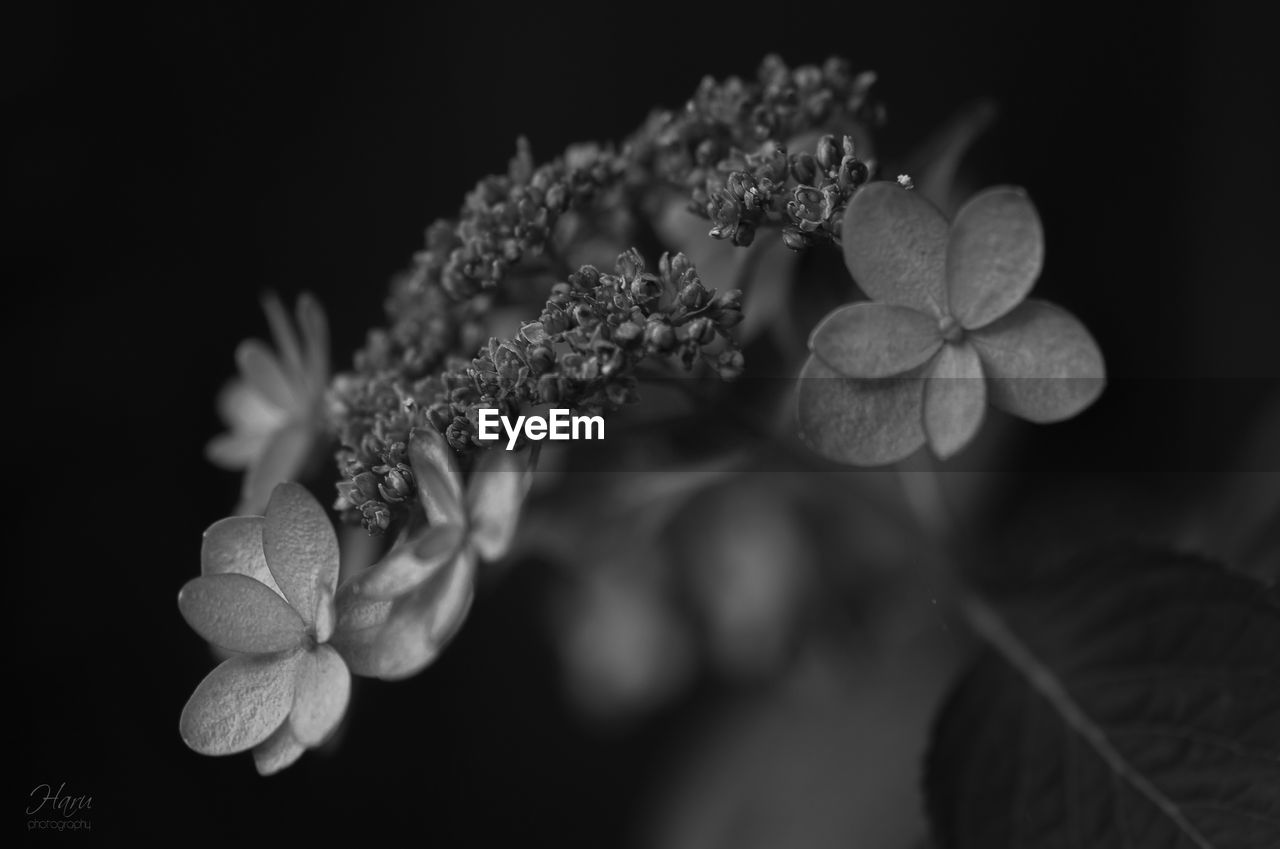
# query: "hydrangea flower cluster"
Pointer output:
{"type": "Point", "coordinates": [582, 353]}
{"type": "Point", "coordinates": [948, 328]}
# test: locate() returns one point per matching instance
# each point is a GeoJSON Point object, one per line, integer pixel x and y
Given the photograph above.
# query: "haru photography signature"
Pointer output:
{"type": "Point", "coordinates": [58, 810]}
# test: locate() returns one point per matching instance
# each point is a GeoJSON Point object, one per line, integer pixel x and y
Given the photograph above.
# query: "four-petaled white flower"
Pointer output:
{"type": "Point", "coordinates": [273, 409]}
{"type": "Point", "coordinates": [949, 328]}
{"type": "Point", "coordinates": [267, 593]}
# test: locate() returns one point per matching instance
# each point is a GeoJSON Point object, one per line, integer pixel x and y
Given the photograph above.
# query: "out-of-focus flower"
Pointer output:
{"type": "Point", "coordinates": [397, 615]}
{"type": "Point", "coordinates": [274, 408]}
{"type": "Point", "coordinates": [947, 329]}
{"type": "Point", "coordinates": [266, 592]}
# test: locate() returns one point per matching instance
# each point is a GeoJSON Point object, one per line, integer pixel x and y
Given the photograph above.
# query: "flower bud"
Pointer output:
{"type": "Point", "coordinates": [645, 288]}
{"type": "Point", "coordinates": [730, 364]}
{"type": "Point", "coordinates": [701, 330]}
{"type": "Point", "coordinates": [828, 154]}
{"type": "Point", "coordinates": [659, 336]}
{"type": "Point", "coordinates": [693, 296]}
{"type": "Point", "coordinates": [794, 239]}
{"type": "Point", "coordinates": [804, 168]}
{"type": "Point", "coordinates": [628, 334]}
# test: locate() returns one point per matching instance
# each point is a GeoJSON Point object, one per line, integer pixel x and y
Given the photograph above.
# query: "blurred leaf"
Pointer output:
{"type": "Point", "coordinates": [935, 164]}
{"type": "Point", "coordinates": [1132, 699]}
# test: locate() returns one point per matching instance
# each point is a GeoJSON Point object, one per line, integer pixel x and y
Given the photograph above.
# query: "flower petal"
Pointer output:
{"type": "Point", "coordinates": [320, 696]}
{"type": "Point", "coordinates": [422, 623]}
{"type": "Point", "coordinates": [234, 546]}
{"type": "Point", "coordinates": [860, 422]}
{"type": "Point", "coordinates": [301, 548]}
{"type": "Point", "coordinates": [1041, 362]}
{"type": "Point", "coordinates": [495, 493]}
{"type": "Point", "coordinates": [246, 410]}
{"type": "Point", "coordinates": [895, 245]}
{"type": "Point", "coordinates": [955, 399]}
{"type": "Point", "coordinates": [409, 565]}
{"type": "Point", "coordinates": [439, 481]}
{"type": "Point", "coordinates": [239, 704]}
{"type": "Point", "coordinates": [283, 334]}
{"type": "Point", "coordinates": [239, 613]}
{"type": "Point", "coordinates": [278, 751]}
{"type": "Point", "coordinates": [315, 341]}
{"type": "Point", "coordinates": [994, 255]}
{"type": "Point", "coordinates": [235, 449]}
{"type": "Point", "coordinates": [355, 636]}
{"type": "Point", "coordinates": [283, 457]}
{"type": "Point", "coordinates": [263, 371]}
{"type": "Point", "coordinates": [870, 339]}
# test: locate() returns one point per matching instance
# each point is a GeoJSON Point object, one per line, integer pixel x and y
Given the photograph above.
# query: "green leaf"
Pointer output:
{"type": "Point", "coordinates": [860, 422]}
{"type": "Point", "coordinates": [895, 245]}
{"type": "Point", "coordinates": [1041, 362]}
{"type": "Point", "coordinates": [955, 399]}
{"type": "Point", "coordinates": [994, 255]}
{"type": "Point", "coordinates": [871, 339]}
{"type": "Point", "coordinates": [239, 704]}
{"type": "Point", "coordinates": [239, 613]}
{"type": "Point", "coordinates": [301, 548]}
{"type": "Point", "coordinates": [1129, 700]}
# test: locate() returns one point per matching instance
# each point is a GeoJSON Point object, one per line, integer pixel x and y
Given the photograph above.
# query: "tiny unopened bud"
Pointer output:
{"type": "Point", "coordinates": [659, 336]}
{"type": "Point", "coordinates": [701, 330]}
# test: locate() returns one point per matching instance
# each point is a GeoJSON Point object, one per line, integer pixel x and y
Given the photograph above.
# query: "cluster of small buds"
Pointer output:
{"type": "Point", "coordinates": [583, 351]}
{"type": "Point", "coordinates": [728, 148]}
{"type": "Point", "coordinates": [372, 493]}
{"type": "Point", "coordinates": [803, 192]}
{"type": "Point", "coordinates": [582, 354]}
{"type": "Point", "coordinates": [436, 305]}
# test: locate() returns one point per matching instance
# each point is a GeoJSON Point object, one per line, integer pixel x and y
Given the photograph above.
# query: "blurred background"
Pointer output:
{"type": "Point", "coordinates": [167, 163]}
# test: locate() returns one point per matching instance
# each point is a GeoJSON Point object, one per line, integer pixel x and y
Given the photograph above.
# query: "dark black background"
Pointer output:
{"type": "Point", "coordinates": [166, 163]}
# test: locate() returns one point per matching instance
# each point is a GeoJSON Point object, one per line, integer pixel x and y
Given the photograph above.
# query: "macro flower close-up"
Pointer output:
{"type": "Point", "coordinates": [273, 408]}
{"type": "Point", "coordinates": [266, 593]}
{"type": "Point", "coordinates": [948, 329]}
{"type": "Point", "coordinates": [838, 426]}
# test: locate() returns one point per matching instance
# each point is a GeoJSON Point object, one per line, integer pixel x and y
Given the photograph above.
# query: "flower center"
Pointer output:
{"type": "Point", "coordinates": [950, 329]}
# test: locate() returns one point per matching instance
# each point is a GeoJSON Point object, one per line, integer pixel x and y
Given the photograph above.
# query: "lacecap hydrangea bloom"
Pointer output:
{"type": "Point", "coordinates": [274, 409]}
{"type": "Point", "coordinates": [948, 329]}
